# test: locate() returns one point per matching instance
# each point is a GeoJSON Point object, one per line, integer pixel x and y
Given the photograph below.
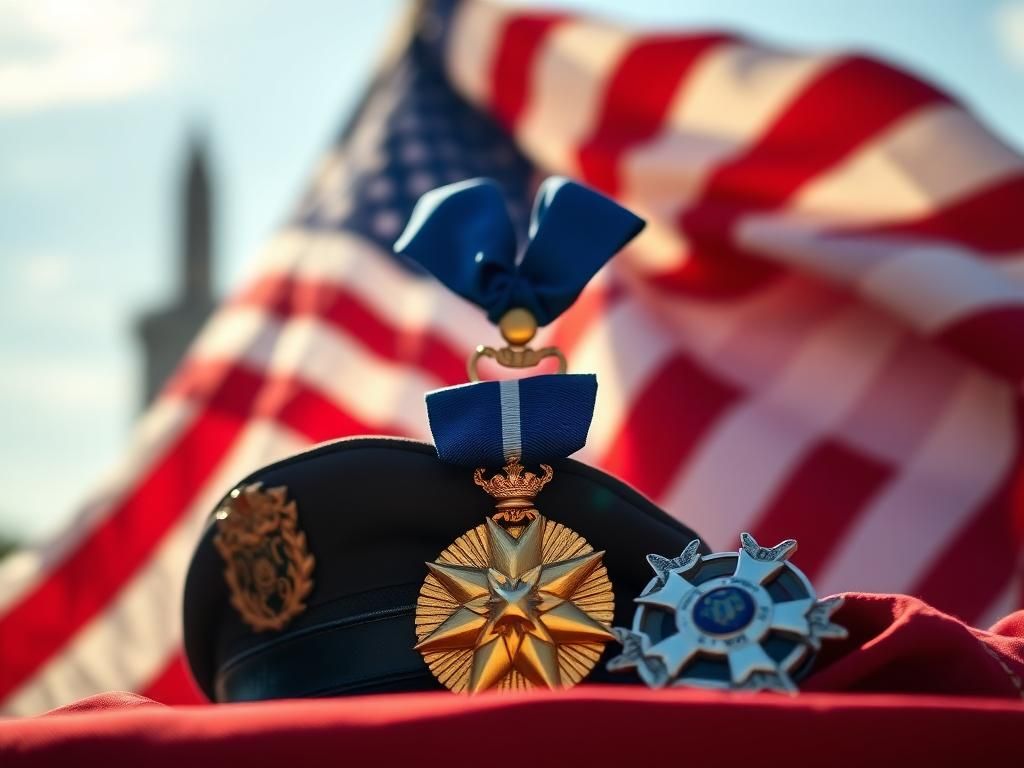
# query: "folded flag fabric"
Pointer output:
{"type": "Point", "coordinates": [966, 709]}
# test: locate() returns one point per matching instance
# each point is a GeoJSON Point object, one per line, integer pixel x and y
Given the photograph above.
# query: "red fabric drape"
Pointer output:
{"type": "Point", "coordinates": [909, 686]}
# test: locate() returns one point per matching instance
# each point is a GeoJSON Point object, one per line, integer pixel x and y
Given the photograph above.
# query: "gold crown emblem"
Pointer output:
{"type": "Point", "coordinates": [515, 490]}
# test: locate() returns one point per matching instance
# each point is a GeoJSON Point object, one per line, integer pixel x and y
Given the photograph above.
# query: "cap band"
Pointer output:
{"type": "Point", "coordinates": [372, 653]}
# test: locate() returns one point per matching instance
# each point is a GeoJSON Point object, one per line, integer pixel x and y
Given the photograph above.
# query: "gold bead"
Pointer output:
{"type": "Point", "coordinates": [517, 326]}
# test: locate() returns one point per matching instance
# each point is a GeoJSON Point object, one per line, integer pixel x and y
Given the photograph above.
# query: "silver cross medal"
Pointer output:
{"type": "Point", "coordinates": [746, 620]}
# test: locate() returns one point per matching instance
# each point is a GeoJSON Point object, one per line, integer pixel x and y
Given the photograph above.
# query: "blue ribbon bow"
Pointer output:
{"type": "Point", "coordinates": [462, 234]}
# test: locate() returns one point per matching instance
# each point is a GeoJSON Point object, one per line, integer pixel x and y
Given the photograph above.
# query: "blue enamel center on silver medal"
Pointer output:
{"type": "Point", "coordinates": [725, 612]}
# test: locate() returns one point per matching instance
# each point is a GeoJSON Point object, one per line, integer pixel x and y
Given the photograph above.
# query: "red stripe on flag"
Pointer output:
{"type": "Point", "coordinates": [985, 555]}
{"type": "Point", "coordinates": [290, 298]}
{"type": "Point", "coordinates": [85, 582]}
{"type": "Point", "coordinates": [637, 100]}
{"type": "Point", "coordinates": [666, 422]}
{"type": "Point", "coordinates": [513, 64]}
{"type": "Point", "coordinates": [986, 221]}
{"type": "Point", "coordinates": [303, 409]}
{"type": "Point", "coordinates": [820, 500]}
{"type": "Point", "coordinates": [716, 270]}
{"type": "Point", "coordinates": [840, 111]}
{"type": "Point", "coordinates": [174, 684]}
{"type": "Point", "coordinates": [994, 338]}
{"type": "Point", "coordinates": [288, 400]}
{"type": "Point", "coordinates": [837, 113]}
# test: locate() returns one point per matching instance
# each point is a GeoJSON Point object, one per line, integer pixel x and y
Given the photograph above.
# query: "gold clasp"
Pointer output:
{"type": "Point", "coordinates": [518, 326]}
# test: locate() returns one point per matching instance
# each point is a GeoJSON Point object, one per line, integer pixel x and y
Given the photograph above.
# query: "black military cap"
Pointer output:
{"type": "Point", "coordinates": [306, 580]}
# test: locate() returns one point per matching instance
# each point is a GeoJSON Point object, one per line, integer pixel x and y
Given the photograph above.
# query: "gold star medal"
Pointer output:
{"type": "Point", "coordinates": [517, 602]}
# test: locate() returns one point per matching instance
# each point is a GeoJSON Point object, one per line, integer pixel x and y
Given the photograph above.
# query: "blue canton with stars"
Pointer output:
{"type": "Point", "coordinates": [412, 134]}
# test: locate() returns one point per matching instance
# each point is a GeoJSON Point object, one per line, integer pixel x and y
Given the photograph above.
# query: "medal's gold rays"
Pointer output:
{"type": "Point", "coordinates": [527, 604]}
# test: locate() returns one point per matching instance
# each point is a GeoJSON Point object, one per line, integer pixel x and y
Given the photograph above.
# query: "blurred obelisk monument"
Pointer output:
{"type": "Point", "coordinates": [166, 332]}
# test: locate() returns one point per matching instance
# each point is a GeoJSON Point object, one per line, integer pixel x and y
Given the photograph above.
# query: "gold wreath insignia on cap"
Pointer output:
{"type": "Point", "coordinates": [267, 564]}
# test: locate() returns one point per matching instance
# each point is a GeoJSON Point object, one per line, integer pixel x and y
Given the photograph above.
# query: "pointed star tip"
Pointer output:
{"type": "Point", "coordinates": [646, 600]}
{"type": "Point", "coordinates": [834, 603]}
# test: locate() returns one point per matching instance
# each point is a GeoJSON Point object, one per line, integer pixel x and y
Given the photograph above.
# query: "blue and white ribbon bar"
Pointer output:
{"type": "Point", "coordinates": [511, 422]}
{"type": "Point", "coordinates": [538, 419]}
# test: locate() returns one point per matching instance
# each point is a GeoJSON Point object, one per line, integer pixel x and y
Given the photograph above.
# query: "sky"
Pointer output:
{"type": "Point", "coordinates": [98, 99]}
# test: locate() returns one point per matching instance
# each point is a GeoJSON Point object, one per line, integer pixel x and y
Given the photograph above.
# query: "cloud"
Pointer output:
{"type": "Point", "coordinates": [45, 272]}
{"type": "Point", "coordinates": [79, 387]}
{"type": "Point", "coordinates": [62, 52]}
{"type": "Point", "coordinates": [44, 291]}
{"type": "Point", "coordinates": [1009, 28]}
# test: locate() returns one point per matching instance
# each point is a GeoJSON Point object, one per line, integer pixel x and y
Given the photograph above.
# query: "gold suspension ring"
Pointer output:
{"type": "Point", "coordinates": [518, 326]}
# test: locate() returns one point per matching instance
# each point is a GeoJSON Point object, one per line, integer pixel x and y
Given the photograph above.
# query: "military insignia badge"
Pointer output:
{"type": "Point", "coordinates": [738, 620]}
{"type": "Point", "coordinates": [514, 604]}
{"type": "Point", "coordinates": [267, 565]}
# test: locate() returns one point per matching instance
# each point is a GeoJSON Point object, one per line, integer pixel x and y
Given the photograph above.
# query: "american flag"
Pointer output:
{"type": "Point", "coordinates": [819, 335]}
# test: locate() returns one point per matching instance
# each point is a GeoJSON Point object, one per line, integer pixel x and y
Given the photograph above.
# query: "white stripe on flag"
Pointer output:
{"type": "Point", "coordinates": [763, 440]}
{"type": "Point", "coordinates": [934, 284]}
{"type": "Point", "coordinates": [162, 424]}
{"type": "Point", "coordinates": [748, 340]}
{"type": "Point", "coordinates": [729, 99]}
{"type": "Point", "coordinates": [882, 425]}
{"type": "Point", "coordinates": [929, 283]}
{"type": "Point", "coordinates": [473, 43]}
{"type": "Point", "coordinates": [626, 347]}
{"type": "Point", "coordinates": [407, 302]}
{"type": "Point", "coordinates": [326, 358]}
{"type": "Point", "coordinates": [937, 490]}
{"type": "Point", "coordinates": [567, 86]}
{"type": "Point", "coordinates": [925, 161]}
